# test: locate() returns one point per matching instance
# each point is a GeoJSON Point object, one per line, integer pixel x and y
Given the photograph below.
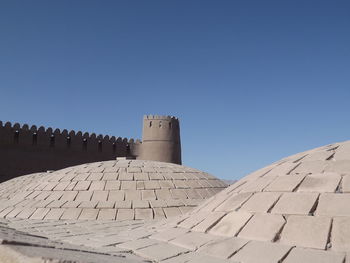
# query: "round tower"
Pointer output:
{"type": "Point", "coordinates": [161, 139]}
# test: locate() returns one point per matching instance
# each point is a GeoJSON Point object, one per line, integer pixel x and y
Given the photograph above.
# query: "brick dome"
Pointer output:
{"type": "Point", "coordinates": [296, 210]}
{"type": "Point", "coordinates": [110, 190]}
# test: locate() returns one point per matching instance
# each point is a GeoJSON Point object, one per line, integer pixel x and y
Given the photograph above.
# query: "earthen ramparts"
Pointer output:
{"type": "Point", "coordinates": [25, 149]}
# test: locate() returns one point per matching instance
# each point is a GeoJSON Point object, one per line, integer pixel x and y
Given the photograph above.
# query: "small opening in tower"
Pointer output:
{"type": "Point", "coordinates": [84, 144]}
{"type": "Point", "coordinates": [169, 125]}
{"type": "Point", "coordinates": [16, 136]}
{"type": "Point", "coordinates": [150, 124]}
{"type": "Point", "coordinates": [68, 141]}
{"type": "Point", "coordinates": [127, 150]}
{"type": "Point", "coordinates": [52, 140]}
{"type": "Point", "coordinates": [35, 138]}
{"type": "Point", "coordinates": [114, 147]}
{"type": "Point", "coordinates": [99, 146]}
{"type": "Point", "coordinates": [160, 124]}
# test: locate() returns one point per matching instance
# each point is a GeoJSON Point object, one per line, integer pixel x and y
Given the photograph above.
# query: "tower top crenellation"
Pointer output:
{"type": "Point", "coordinates": [160, 117]}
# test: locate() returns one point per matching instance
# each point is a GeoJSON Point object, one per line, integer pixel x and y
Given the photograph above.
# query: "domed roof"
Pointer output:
{"type": "Point", "coordinates": [296, 210]}
{"type": "Point", "coordinates": [118, 189]}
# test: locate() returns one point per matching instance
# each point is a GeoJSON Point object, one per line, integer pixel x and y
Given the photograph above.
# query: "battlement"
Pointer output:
{"type": "Point", "coordinates": [26, 149]}
{"type": "Point", "coordinates": [51, 134]}
{"type": "Point", "coordinates": [159, 121]}
{"type": "Point", "coordinates": [160, 117]}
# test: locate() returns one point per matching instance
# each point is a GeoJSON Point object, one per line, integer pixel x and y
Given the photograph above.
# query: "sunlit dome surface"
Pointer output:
{"type": "Point", "coordinates": [110, 190]}
{"type": "Point", "coordinates": [295, 210]}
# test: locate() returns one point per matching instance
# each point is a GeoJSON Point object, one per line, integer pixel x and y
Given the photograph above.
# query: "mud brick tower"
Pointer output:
{"type": "Point", "coordinates": [161, 139]}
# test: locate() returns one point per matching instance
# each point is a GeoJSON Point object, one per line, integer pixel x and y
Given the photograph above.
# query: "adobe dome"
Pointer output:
{"type": "Point", "coordinates": [295, 210]}
{"type": "Point", "coordinates": [118, 189]}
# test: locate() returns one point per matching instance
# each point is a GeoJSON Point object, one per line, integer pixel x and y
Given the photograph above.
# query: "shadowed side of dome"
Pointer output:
{"type": "Point", "coordinates": [111, 190]}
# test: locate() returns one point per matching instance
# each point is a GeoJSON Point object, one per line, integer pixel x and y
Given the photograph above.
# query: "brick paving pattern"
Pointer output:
{"type": "Point", "coordinates": [120, 189]}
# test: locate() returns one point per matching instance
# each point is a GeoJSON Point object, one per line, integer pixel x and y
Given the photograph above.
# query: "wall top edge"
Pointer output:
{"type": "Point", "coordinates": [56, 132]}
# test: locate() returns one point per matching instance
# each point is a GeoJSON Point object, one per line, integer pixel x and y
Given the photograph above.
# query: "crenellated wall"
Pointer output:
{"type": "Point", "coordinates": [25, 149]}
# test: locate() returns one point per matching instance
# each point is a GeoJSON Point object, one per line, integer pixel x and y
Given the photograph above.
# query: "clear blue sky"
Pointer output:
{"type": "Point", "coordinates": [251, 81]}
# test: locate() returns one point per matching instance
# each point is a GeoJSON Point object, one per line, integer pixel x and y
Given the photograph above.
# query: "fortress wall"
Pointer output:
{"type": "Point", "coordinates": [25, 149]}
